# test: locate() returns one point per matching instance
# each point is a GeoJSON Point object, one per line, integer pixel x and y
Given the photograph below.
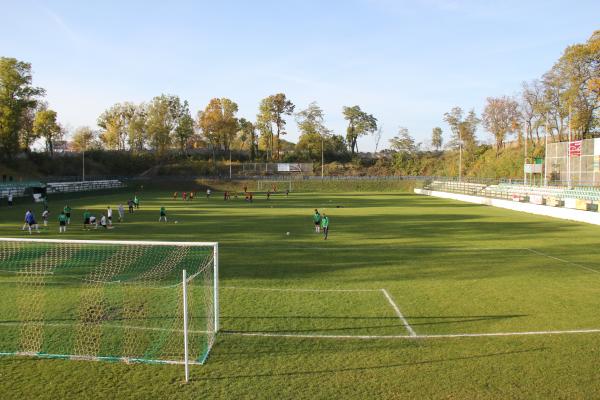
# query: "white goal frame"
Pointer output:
{"type": "Point", "coordinates": [214, 245]}
{"type": "Point", "coordinates": [265, 184]}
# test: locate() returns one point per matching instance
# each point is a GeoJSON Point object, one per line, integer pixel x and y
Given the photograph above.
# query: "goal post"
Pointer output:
{"type": "Point", "coordinates": [274, 185]}
{"type": "Point", "coordinates": [127, 301]}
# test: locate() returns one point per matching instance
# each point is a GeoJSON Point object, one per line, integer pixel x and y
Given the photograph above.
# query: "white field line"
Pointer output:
{"type": "Point", "coordinates": [563, 260]}
{"type": "Point", "coordinates": [417, 337]}
{"type": "Point", "coordinates": [395, 246]}
{"type": "Point", "coordinates": [296, 289]}
{"type": "Point", "coordinates": [399, 313]}
{"type": "Point", "coordinates": [100, 358]}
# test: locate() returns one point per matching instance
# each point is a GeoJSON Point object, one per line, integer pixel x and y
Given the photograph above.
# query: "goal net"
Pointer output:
{"type": "Point", "coordinates": [274, 185]}
{"type": "Point", "coordinates": [109, 300]}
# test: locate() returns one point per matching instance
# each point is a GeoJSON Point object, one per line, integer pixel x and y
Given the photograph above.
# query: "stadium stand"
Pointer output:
{"type": "Point", "coordinates": [68, 187]}
{"type": "Point", "coordinates": [580, 198]}
{"type": "Point", "coordinates": [18, 189]}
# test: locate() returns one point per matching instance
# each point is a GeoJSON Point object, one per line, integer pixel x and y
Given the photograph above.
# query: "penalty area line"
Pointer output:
{"type": "Point", "coordinates": [296, 289]}
{"type": "Point", "coordinates": [399, 313]}
{"type": "Point", "coordinates": [539, 253]}
{"type": "Point", "coordinates": [409, 337]}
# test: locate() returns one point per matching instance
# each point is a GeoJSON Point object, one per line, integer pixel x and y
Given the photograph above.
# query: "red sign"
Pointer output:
{"type": "Point", "coordinates": [575, 148]}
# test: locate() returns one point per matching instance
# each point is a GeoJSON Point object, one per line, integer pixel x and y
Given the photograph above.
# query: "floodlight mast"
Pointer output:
{"type": "Point", "coordinates": [322, 157]}
{"type": "Point", "coordinates": [546, 155]}
{"type": "Point", "coordinates": [459, 156]}
{"type": "Point", "coordinates": [569, 153]}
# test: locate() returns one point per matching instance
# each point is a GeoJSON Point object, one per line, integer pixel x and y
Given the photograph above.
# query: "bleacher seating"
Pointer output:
{"type": "Point", "coordinates": [17, 189]}
{"type": "Point", "coordinates": [83, 186]}
{"type": "Point", "coordinates": [581, 198]}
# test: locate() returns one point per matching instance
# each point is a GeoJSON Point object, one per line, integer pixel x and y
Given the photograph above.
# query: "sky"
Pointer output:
{"type": "Point", "coordinates": [405, 62]}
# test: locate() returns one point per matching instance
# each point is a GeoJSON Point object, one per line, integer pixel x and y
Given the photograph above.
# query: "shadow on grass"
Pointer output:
{"type": "Point", "coordinates": [446, 320]}
{"type": "Point", "coordinates": [369, 368]}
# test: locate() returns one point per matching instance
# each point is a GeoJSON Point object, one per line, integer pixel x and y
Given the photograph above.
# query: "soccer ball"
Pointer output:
{"type": "Point", "coordinates": [287, 233]}
{"type": "Point", "coordinates": [176, 222]}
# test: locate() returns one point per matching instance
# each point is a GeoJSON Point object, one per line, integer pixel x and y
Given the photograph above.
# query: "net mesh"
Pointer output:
{"type": "Point", "coordinates": [114, 301]}
{"type": "Point", "coordinates": [274, 185]}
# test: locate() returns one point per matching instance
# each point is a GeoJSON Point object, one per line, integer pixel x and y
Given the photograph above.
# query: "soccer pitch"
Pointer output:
{"type": "Point", "coordinates": [410, 297]}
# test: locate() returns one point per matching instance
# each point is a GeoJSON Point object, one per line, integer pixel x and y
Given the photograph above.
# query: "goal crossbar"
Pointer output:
{"type": "Point", "coordinates": [121, 242]}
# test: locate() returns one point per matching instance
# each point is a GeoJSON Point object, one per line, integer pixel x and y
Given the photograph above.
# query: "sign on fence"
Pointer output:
{"type": "Point", "coordinates": [575, 148]}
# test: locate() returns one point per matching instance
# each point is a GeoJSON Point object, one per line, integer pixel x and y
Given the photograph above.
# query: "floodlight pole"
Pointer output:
{"type": "Point", "coordinates": [322, 156]}
{"type": "Point", "coordinates": [569, 153]}
{"type": "Point", "coordinates": [525, 156]}
{"type": "Point", "coordinates": [459, 157]}
{"type": "Point", "coordinates": [546, 155]}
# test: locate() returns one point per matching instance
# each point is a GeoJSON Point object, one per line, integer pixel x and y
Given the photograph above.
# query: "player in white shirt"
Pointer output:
{"type": "Point", "coordinates": [109, 215]}
{"type": "Point", "coordinates": [121, 212]}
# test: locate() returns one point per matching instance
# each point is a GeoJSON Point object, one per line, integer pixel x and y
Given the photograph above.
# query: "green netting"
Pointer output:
{"type": "Point", "coordinates": [105, 301]}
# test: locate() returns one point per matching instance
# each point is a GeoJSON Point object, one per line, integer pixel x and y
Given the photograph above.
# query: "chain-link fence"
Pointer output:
{"type": "Point", "coordinates": [573, 163]}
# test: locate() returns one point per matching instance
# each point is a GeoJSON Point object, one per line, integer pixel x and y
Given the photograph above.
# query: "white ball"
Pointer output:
{"type": "Point", "coordinates": [287, 233]}
{"type": "Point", "coordinates": [176, 222]}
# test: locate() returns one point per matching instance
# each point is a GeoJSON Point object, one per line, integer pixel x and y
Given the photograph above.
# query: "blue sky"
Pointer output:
{"type": "Point", "coordinates": [406, 62]}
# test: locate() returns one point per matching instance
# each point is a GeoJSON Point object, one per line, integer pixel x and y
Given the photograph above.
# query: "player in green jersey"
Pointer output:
{"type": "Point", "coordinates": [62, 222]}
{"type": "Point", "coordinates": [163, 214]}
{"type": "Point", "coordinates": [317, 221]}
{"type": "Point", "coordinates": [67, 211]}
{"type": "Point", "coordinates": [325, 225]}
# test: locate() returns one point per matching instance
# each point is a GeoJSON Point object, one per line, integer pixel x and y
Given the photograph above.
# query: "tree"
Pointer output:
{"type": "Point", "coordinates": [84, 139]}
{"type": "Point", "coordinates": [184, 129]}
{"type": "Point", "coordinates": [378, 134]}
{"type": "Point", "coordinates": [272, 111]}
{"type": "Point", "coordinates": [501, 117]}
{"type": "Point", "coordinates": [114, 123]}
{"type": "Point", "coordinates": [436, 138]}
{"type": "Point", "coordinates": [164, 117]}
{"type": "Point", "coordinates": [313, 132]}
{"type": "Point", "coordinates": [218, 123]}
{"type": "Point", "coordinates": [247, 137]}
{"type": "Point", "coordinates": [45, 126]}
{"type": "Point", "coordinates": [403, 142]}
{"type": "Point", "coordinates": [532, 108]}
{"type": "Point", "coordinates": [265, 128]}
{"type": "Point", "coordinates": [463, 128]}
{"type": "Point", "coordinates": [26, 135]}
{"type": "Point", "coordinates": [579, 69]}
{"type": "Point", "coordinates": [135, 121]}
{"type": "Point", "coordinates": [17, 98]}
{"type": "Point", "coordinates": [359, 123]}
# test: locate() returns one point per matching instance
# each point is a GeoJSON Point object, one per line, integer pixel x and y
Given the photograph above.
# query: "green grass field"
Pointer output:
{"type": "Point", "coordinates": [306, 318]}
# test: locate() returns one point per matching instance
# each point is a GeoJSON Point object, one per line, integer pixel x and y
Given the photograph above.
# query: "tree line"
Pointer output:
{"type": "Point", "coordinates": [563, 103]}
{"type": "Point", "coordinates": [165, 123]}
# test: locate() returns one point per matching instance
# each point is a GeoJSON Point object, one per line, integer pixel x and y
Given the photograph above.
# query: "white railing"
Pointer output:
{"type": "Point", "coordinates": [68, 187]}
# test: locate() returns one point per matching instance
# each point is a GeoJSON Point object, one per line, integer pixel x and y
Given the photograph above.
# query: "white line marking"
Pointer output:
{"type": "Point", "coordinates": [399, 313]}
{"type": "Point", "coordinates": [99, 358]}
{"type": "Point", "coordinates": [297, 289]}
{"type": "Point", "coordinates": [563, 260]}
{"type": "Point", "coordinates": [375, 246]}
{"type": "Point", "coordinates": [440, 336]}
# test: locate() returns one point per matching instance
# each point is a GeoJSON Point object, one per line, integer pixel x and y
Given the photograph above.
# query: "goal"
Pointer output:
{"type": "Point", "coordinates": [269, 184]}
{"type": "Point", "coordinates": [130, 301]}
